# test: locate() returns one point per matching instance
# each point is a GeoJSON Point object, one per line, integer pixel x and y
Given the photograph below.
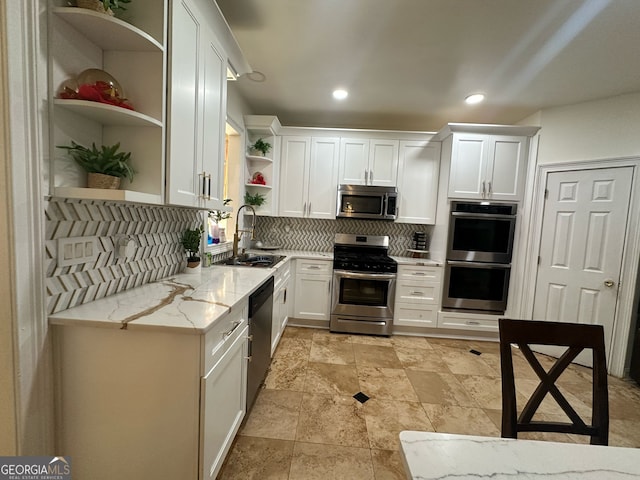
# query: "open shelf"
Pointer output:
{"type": "Point", "coordinates": [109, 33]}
{"type": "Point", "coordinates": [106, 114]}
{"type": "Point", "coordinates": [258, 158]}
{"type": "Point", "coordinates": [107, 194]}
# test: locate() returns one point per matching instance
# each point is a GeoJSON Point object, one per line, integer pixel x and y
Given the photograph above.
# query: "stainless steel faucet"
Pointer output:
{"type": "Point", "coordinates": [238, 235]}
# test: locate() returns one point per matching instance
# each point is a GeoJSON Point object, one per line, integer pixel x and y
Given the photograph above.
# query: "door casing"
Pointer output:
{"type": "Point", "coordinates": [525, 277]}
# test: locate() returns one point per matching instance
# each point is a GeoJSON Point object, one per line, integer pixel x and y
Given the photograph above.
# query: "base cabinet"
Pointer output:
{"type": "Point", "coordinates": [313, 289]}
{"type": "Point", "coordinates": [418, 292]}
{"type": "Point", "coordinates": [165, 405]}
{"type": "Point", "coordinates": [281, 302]}
{"type": "Point", "coordinates": [468, 321]}
{"type": "Point", "coordinates": [224, 392]}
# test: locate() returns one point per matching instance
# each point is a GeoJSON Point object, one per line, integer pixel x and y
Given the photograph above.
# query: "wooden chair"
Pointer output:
{"type": "Point", "coordinates": [576, 337]}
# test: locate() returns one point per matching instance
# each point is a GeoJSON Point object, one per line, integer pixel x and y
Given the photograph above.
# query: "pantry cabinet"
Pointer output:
{"type": "Point", "coordinates": [133, 52]}
{"type": "Point", "coordinates": [368, 162]}
{"type": "Point", "coordinates": [308, 177]}
{"type": "Point", "coordinates": [418, 182]}
{"type": "Point", "coordinates": [197, 109]}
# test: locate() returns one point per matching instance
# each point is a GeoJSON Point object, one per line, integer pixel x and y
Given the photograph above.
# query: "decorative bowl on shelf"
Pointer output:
{"type": "Point", "coordinates": [95, 85]}
{"type": "Point", "coordinates": [258, 179]}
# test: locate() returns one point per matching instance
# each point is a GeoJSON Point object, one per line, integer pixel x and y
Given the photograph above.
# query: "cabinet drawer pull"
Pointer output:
{"type": "Point", "coordinates": [249, 358]}
{"type": "Point", "coordinates": [472, 322]}
{"type": "Point", "coordinates": [420, 274]}
{"type": "Point", "coordinates": [313, 267]}
{"type": "Point", "coordinates": [417, 293]}
{"type": "Point", "coordinates": [229, 332]}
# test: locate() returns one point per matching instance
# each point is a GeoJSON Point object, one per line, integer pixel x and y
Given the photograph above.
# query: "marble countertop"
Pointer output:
{"type": "Point", "coordinates": [188, 303]}
{"type": "Point", "coordinates": [417, 261]}
{"type": "Point", "coordinates": [442, 456]}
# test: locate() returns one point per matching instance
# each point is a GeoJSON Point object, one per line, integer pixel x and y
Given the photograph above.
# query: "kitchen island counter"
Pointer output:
{"type": "Point", "coordinates": [441, 456]}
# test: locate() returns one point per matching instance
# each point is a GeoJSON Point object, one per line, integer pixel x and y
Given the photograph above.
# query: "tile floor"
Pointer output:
{"type": "Point", "coordinates": [306, 424]}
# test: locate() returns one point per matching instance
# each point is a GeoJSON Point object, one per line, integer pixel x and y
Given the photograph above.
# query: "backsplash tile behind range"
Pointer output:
{"type": "Point", "coordinates": [156, 231]}
{"type": "Point", "coordinates": [317, 235]}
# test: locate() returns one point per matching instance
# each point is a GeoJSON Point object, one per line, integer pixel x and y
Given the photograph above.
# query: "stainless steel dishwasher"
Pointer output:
{"type": "Point", "coordinates": [260, 314]}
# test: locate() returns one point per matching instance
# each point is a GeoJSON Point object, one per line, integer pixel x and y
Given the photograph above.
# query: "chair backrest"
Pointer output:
{"type": "Point", "coordinates": [576, 337]}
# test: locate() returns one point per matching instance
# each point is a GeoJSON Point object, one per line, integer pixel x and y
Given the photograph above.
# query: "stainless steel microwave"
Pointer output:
{"type": "Point", "coordinates": [367, 202]}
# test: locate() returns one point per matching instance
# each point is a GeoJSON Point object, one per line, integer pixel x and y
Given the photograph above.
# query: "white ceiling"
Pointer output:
{"type": "Point", "coordinates": [408, 64]}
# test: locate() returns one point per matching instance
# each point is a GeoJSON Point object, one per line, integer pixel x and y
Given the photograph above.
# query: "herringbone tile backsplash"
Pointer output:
{"type": "Point", "coordinates": [159, 254]}
{"type": "Point", "coordinates": [156, 230]}
{"type": "Point", "coordinates": [317, 235]}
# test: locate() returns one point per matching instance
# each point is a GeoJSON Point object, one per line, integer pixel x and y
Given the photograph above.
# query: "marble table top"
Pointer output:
{"type": "Point", "coordinates": [431, 456]}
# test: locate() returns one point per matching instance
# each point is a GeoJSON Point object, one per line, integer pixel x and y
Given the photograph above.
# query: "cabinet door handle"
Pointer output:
{"type": "Point", "coordinates": [249, 358]}
{"type": "Point", "coordinates": [202, 175]}
{"type": "Point", "coordinates": [489, 188]}
{"type": "Point", "coordinates": [284, 297]}
{"type": "Point", "coordinates": [227, 333]}
{"type": "Point", "coordinates": [309, 210]}
{"type": "Point", "coordinates": [304, 209]}
{"type": "Point", "coordinates": [371, 177]}
{"type": "Point", "coordinates": [483, 189]}
{"type": "Point", "coordinates": [366, 177]}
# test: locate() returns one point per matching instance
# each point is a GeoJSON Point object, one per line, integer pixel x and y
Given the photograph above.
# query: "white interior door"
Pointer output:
{"type": "Point", "coordinates": [583, 231]}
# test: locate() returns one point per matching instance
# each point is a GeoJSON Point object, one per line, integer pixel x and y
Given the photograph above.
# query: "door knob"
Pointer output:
{"type": "Point", "coordinates": [609, 283]}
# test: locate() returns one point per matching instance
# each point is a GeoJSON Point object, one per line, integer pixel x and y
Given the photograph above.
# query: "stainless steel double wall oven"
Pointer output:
{"type": "Point", "coordinates": [479, 251]}
{"type": "Point", "coordinates": [364, 283]}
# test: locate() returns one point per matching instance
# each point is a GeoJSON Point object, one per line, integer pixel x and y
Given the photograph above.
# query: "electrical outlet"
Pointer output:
{"type": "Point", "coordinates": [75, 250]}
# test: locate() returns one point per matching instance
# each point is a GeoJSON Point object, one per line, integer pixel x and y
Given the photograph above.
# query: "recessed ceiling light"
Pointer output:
{"type": "Point", "coordinates": [340, 94]}
{"type": "Point", "coordinates": [474, 98]}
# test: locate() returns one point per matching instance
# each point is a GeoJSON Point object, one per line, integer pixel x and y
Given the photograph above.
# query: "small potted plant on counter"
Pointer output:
{"type": "Point", "coordinates": [105, 167]}
{"type": "Point", "coordinates": [261, 146]}
{"type": "Point", "coordinates": [191, 239]}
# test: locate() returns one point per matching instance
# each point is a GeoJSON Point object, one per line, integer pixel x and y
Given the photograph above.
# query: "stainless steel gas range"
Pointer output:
{"type": "Point", "coordinates": [364, 283]}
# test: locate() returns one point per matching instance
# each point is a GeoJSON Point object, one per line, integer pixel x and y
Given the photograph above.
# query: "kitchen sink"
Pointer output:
{"type": "Point", "coordinates": [252, 260]}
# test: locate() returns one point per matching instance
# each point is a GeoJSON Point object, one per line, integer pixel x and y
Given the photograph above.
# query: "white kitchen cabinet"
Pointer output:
{"type": "Point", "coordinates": [368, 162]}
{"type": "Point", "coordinates": [468, 321]}
{"type": "Point", "coordinates": [308, 177]}
{"type": "Point", "coordinates": [488, 167]}
{"type": "Point", "coordinates": [144, 395]}
{"type": "Point", "coordinates": [418, 170]}
{"type": "Point", "coordinates": [281, 301]}
{"type": "Point", "coordinates": [313, 289]}
{"type": "Point", "coordinates": [418, 292]}
{"type": "Point", "coordinates": [224, 394]}
{"type": "Point", "coordinates": [133, 52]}
{"type": "Point", "coordinates": [197, 108]}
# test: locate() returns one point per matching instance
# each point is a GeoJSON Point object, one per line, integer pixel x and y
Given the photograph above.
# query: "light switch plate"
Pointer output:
{"type": "Point", "coordinates": [76, 250]}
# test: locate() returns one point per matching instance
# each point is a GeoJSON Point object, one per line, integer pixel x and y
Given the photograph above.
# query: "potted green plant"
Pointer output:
{"type": "Point", "coordinates": [103, 6]}
{"type": "Point", "coordinates": [105, 167]}
{"type": "Point", "coordinates": [254, 200]}
{"type": "Point", "coordinates": [191, 239]}
{"type": "Point", "coordinates": [219, 215]}
{"type": "Point", "coordinates": [261, 146]}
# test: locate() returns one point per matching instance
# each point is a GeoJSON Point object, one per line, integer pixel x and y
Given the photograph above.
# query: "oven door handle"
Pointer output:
{"type": "Point", "coordinates": [497, 216]}
{"type": "Point", "coordinates": [366, 276]}
{"type": "Point", "coordinates": [456, 263]}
